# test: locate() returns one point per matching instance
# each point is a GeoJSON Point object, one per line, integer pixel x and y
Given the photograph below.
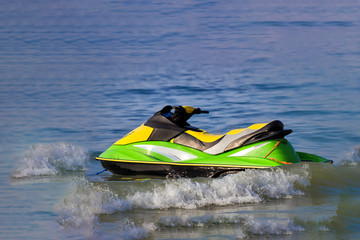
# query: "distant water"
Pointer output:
{"type": "Point", "coordinates": [75, 76]}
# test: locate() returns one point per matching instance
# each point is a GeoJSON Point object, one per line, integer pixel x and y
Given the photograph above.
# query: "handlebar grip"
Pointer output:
{"type": "Point", "coordinates": [198, 111]}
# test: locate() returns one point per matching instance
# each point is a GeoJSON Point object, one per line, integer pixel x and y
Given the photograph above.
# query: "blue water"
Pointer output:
{"type": "Point", "coordinates": [77, 75]}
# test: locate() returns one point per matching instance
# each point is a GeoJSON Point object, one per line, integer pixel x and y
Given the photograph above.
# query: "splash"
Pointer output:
{"type": "Point", "coordinates": [246, 187]}
{"type": "Point", "coordinates": [51, 159]}
{"type": "Point", "coordinates": [128, 230]}
{"type": "Point", "coordinates": [353, 158]}
{"type": "Point", "coordinates": [85, 201]}
{"type": "Point", "coordinates": [271, 227]}
{"type": "Point", "coordinates": [246, 226]}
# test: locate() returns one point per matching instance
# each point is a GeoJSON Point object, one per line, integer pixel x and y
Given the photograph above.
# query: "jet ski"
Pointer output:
{"type": "Point", "coordinates": [167, 145]}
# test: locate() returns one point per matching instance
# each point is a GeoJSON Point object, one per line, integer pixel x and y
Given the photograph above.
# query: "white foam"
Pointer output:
{"type": "Point", "coordinates": [85, 201]}
{"type": "Point", "coordinates": [271, 227]}
{"type": "Point", "coordinates": [247, 225]}
{"type": "Point", "coordinates": [245, 187]}
{"type": "Point", "coordinates": [199, 221]}
{"type": "Point", "coordinates": [51, 159]}
{"type": "Point", "coordinates": [353, 158]}
{"type": "Point", "coordinates": [324, 229]}
{"type": "Point", "coordinates": [80, 208]}
{"type": "Point", "coordinates": [129, 230]}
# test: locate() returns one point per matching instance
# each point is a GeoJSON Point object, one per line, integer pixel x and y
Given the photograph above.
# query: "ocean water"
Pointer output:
{"type": "Point", "coordinates": [77, 75]}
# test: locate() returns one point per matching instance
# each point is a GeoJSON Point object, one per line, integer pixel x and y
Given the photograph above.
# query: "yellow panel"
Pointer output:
{"type": "Point", "coordinates": [253, 127]}
{"type": "Point", "coordinates": [204, 136]}
{"type": "Point", "coordinates": [257, 126]}
{"type": "Point", "coordinates": [189, 109]}
{"type": "Point", "coordinates": [235, 131]}
{"type": "Point", "coordinates": [139, 134]}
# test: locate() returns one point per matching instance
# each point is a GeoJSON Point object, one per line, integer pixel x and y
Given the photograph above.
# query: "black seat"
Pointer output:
{"type": "Point", "coordinates": [273, 130]}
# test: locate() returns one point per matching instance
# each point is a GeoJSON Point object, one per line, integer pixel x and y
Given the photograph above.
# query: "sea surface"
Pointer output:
{"type": "Point", "coordinates": [77, 75]}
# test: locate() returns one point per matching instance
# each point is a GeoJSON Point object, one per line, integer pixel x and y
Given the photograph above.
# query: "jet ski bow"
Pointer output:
{"type": "Point", "coordinates": [167, 145]}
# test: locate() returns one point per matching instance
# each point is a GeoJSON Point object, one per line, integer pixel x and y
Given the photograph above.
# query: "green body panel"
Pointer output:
{"type": "Point", "coordinates": [308, 157]}
{"type": "Point", "coordinates": [262, 154]}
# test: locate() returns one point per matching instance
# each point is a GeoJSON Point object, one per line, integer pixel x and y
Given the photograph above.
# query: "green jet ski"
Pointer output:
{"type": "Point", "coordinates": [167, 145]}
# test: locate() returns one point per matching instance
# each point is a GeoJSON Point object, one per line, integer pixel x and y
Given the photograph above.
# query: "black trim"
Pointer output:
{"type": "Point", "coordinates": [167, 170]}
{"type": "Point", "coordinates": [164, 129]}
{"type": "Point", "coordinates": [191, 141]}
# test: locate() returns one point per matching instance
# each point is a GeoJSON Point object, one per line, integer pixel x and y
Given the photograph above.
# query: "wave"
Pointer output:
{"type": "Point", "coordinates": [251, 186]}
{"type": "Point", "coordinates": [244, 226]}
{"type": "Point", "coordinates": [51, 159]}
{"type": "Point", "coordinates": [183, 204]}
{"type": "Point", "coordinates": [247, 226]}
{"type": "Point", "coordinates": [86, 200]}
{"type": "Point", "coordinates": [305, 23]}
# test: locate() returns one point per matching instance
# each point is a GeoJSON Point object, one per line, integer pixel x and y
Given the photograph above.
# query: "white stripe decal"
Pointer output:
{"type": "Point", "coordinates": [246, 151]}
{"type": "Point", "coordinates": [173, 154]}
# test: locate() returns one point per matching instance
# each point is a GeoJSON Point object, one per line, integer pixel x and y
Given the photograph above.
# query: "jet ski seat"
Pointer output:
{"type": "Point", "coordinates": [216, 144]}
{"type": "Point", "coordinates": [166, 130]}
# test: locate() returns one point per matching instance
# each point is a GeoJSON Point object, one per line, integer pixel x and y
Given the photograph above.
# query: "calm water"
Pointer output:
{"type": "Point", "coordinates": [77, 75]}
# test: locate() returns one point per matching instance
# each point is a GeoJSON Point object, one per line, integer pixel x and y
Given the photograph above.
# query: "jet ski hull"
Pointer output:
{"type": "Point", "coordinates": [166, 145]}
{"type": "Point", "coordinates": [169, 159]}
{"type": "Point", "coordinates": [167, 170]}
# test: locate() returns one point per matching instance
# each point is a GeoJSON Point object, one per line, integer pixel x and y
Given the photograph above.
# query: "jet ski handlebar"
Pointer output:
{"type": "Point", "coordinates": [198, 111]}
{"type": "Point", "coordinates": [203, 111]}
